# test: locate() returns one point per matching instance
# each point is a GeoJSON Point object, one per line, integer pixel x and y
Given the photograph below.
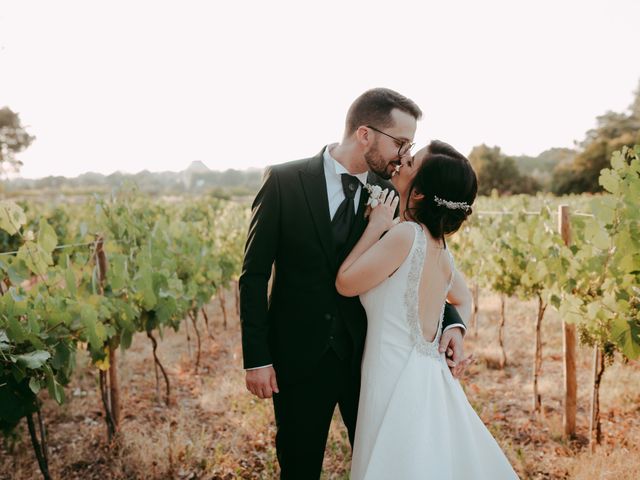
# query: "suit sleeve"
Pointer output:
{"type": "Point", "coordinates": [259, 255]}
{"type": "Point", "coordinates": [452, 318]}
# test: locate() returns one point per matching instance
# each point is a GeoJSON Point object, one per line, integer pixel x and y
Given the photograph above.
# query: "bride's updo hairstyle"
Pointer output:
{"type": "Point", "coordinates": [449, 186]}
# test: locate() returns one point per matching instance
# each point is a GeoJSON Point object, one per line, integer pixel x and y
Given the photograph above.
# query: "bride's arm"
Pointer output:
{"type": "Point", "coordinates": [373, 258]}
{"type": "Point", "coordinates": [460, 296]}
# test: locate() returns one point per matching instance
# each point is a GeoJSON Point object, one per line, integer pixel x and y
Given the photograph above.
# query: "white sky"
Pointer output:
{"type": "Point", "coordinates": [133, 85]}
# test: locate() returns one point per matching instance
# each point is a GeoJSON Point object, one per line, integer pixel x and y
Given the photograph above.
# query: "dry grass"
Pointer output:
{"type": "Point", "coordinates": [214, 429]}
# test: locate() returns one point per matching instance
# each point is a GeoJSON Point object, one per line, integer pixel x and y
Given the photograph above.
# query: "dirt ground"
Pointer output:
{"type": "Point", "coordinates": [214, 429]}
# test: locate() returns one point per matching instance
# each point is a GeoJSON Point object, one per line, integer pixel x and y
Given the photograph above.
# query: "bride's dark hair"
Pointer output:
{"type": "Point", "coordinates": [447, 174]}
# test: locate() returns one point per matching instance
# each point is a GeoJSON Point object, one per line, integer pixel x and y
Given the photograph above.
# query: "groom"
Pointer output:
{"type": "Point", "coordinates": [303, 344]}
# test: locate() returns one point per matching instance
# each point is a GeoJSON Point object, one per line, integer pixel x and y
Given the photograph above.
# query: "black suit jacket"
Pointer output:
{"type": "Point", "coordinates": [291, 228]}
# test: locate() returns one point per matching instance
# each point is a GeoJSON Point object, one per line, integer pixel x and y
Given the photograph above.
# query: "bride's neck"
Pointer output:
{"type": "Point", "coordinates": [402, 205]}
{"type": "Point", "coordinates": [406, 215]}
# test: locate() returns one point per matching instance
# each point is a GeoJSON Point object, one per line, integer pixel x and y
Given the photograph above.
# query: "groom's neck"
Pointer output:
{"type": "Point", "coordinates": [350, 157]}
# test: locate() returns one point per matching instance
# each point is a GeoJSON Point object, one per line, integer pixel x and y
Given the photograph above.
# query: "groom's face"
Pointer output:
{"type": "Point", "coordinates": [382, 154]}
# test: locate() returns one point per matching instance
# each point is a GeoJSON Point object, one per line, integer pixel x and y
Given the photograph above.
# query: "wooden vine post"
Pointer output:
{"type": "Point", "coordinates": [568, 344]}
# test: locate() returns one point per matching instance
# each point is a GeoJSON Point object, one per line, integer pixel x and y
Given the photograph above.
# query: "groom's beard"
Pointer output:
{"type": "Point", "coordinates": [376, 163]}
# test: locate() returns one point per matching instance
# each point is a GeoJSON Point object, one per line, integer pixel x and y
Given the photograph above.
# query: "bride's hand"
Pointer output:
{"type": "Point", "coordinates": [381, 217]}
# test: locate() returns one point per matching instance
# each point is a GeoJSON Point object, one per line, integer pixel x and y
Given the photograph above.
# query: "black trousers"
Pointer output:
{"type": "Point", "coordinates": [303, 413]}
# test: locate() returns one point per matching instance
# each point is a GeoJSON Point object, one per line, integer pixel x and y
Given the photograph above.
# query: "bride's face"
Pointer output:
{"type": "Point", "coordinates": [404, 175]}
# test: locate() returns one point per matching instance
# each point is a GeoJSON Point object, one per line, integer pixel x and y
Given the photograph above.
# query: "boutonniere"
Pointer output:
{"type": "Point", "coordinates": [375, 192]}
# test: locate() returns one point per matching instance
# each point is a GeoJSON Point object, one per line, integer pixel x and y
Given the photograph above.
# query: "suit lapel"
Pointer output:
{"type": "Point", "coordinates": [315, 190]}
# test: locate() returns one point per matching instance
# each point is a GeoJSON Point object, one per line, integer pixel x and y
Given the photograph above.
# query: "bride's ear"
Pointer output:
{"type": "Point", "coordinates": [417, 195]}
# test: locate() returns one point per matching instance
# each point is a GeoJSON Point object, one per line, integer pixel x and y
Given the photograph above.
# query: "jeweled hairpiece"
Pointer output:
{"type": "Point", "coordinates": [452, 205]}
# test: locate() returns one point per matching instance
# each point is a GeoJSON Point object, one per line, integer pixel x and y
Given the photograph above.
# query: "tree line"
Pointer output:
{"type": "Point", "coordinates": [560, 171]}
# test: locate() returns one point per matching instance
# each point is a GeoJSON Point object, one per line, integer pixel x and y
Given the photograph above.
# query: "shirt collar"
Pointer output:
{"type": "Point", "coordinates": [332, 165]}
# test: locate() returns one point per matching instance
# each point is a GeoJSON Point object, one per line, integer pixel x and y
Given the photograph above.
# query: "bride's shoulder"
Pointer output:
{"type": "Point", "coordinates": [402, 234]}
{"type": "Point", "coordinates": [404, 228]}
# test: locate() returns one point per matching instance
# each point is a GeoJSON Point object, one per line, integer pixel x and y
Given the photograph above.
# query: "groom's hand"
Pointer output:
{"type": "Point", "coordinates": [451, 344]}
{"type": "Point", "coordinates": [262, 382]}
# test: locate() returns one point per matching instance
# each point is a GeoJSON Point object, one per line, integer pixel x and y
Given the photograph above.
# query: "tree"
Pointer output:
{"type": "Point", "coordinates": [613, 131]}
{"type": "Point", "coordinates": [13, 139]}
{"type": "Point", "coordinates": [498, 171]}
{"type": "Point", "coordinates": [542, 166]}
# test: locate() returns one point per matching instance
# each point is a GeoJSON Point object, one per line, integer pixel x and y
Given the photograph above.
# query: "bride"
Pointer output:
{"type": "Point", "coordinates": [414, 420]}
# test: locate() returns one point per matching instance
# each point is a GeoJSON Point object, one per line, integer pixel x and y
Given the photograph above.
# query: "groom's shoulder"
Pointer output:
{"type": "Point", "coordinates": [290, 166]}
{"type": "Point", "coordinates": [294, 166]}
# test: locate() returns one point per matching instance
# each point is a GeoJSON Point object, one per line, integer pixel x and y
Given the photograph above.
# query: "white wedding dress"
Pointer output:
{"type": "Point", "coordinates": [414, 420]}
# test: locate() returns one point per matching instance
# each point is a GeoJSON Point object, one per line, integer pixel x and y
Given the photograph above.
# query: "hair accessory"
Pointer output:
{"type": "Point", "coordinates": [452, 205]}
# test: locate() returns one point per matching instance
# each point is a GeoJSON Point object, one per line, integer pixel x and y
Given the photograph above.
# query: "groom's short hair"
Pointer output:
{"type": "Point", "coordinates": [374, 108]}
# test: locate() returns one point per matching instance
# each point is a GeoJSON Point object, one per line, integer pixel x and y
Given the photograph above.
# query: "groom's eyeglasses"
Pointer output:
{"type": "Point", "coordinates": [404, 146]}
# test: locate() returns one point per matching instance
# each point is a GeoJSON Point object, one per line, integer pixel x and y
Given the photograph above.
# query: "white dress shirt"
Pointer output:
{"type": "Point", "coordinates": [332, 174]}
{"type": "Point", "coordinates": [335, 193]}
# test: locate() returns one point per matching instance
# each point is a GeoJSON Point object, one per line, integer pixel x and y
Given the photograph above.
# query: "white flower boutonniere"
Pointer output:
{"type": "Point", "coordinates": [375, 192]}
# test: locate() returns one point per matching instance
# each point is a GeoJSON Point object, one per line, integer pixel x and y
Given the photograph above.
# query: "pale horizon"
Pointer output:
{"type": "Point", "coordinates": [157, 85]}
{"type": "Point", "coordinates": [176, 171]}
